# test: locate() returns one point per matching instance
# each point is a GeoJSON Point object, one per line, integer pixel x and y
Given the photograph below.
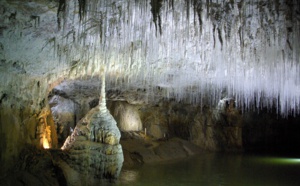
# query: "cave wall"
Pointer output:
{"type": "Point", "coordinates": [219, 128]}
{"type": "Point", "coordinates": [22, 128]}
{"type": "Point", "coordinates": [20, 115]}
{"type": "Point", "coordinates": [126, 115]}
{"type": "Point", "coordinates": [215, 129]}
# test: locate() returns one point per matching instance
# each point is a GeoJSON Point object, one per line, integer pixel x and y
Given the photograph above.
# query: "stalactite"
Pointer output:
{"type": "Point", "coordinates": [171, 4]}
{"type": "Point", "coordinates": [212, 44]}
{"type": "Point", "coordinates": [155, 9]}
{"type": "Point", "coordinates": [82, 8]}
{"type": "Point", "coordinates": [188, 5]}
{"type": "Point", "coordinates": [197, 6]}
{"type": "Point", "coordinates": [220, 36]}
{"type": "Point", "coordinates": [61, 12]}
{"type": "Point", "coordinates": [207, 8]}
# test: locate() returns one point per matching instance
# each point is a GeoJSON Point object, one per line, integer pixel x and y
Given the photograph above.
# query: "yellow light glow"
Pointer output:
{"type": "Point", "coordinates": [45, 143]}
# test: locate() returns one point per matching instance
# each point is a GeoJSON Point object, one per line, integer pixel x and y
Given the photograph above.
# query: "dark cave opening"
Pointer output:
{"type": "Point", "coordinates": [266, 132]}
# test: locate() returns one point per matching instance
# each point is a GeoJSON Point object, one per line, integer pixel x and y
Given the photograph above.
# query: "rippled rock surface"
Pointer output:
{"type": "Point", "coordinates": [93, 148]}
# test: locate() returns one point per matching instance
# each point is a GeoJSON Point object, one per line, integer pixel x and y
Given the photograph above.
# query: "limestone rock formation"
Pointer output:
{"type": "Point", "coordinates": [93, 147]}
{"type": "Point", "coordinates": [64, 115]}
{"type": "Point", "coordinates": [96, 126]}
{"type": "Point", "coordinates": [218, 129]}
{"type": "Point", "coordinates": [127, 116]}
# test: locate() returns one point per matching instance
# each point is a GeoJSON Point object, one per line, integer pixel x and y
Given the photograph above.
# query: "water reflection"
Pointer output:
{"type": "Point", "coordinates": [128, 176]}
{"type": "Point", "coordinates": [280, 160]}
{"type": "Point", "coordinates": [217, 169]}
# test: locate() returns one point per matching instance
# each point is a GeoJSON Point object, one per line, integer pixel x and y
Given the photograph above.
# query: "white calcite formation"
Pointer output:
{"type": "Point", "coordinates": [93, 147]}
{"type": "Point", "coordinates": [192, 50]}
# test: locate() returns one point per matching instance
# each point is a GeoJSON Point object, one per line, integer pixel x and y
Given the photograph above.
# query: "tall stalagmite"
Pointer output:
{"type": "Point", "coordinates": [93, 147]}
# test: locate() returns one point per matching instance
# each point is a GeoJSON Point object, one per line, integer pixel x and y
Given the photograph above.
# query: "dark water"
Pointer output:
{"type": "Point", "coordinates": [217, 169]}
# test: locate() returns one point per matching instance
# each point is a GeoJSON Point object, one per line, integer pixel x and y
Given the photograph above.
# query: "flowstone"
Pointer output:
{"type": "Point", "coordinates": [93, 148]}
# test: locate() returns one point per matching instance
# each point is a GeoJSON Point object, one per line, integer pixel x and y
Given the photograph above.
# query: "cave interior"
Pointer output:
{"type": "Point", "coordinates": [88, 87]}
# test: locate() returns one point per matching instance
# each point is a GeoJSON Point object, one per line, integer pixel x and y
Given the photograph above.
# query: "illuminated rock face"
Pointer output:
{"type": "Point", "coordinates": [127, 116]}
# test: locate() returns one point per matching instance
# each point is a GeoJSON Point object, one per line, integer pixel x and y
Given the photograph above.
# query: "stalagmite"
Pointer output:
{"type": "Point", "coordinates": [98, 133]}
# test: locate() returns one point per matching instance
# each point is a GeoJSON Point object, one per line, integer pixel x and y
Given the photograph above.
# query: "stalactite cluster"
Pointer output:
{"type": "Point", "coordinates": [194, 50]}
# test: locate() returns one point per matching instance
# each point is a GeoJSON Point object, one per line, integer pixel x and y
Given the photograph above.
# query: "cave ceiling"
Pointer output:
{"type": "Point", "coordinates": [188, 50]}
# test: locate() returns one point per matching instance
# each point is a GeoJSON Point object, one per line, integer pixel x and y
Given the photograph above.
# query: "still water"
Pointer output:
{"type": "Point", "coordinates": [217, 169]}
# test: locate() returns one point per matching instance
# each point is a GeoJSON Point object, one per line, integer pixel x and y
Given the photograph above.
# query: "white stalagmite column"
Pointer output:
{"type": "Point", "coordinates": [102, 139]}
{"type": "Point", "coordinates": [102, 99]}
